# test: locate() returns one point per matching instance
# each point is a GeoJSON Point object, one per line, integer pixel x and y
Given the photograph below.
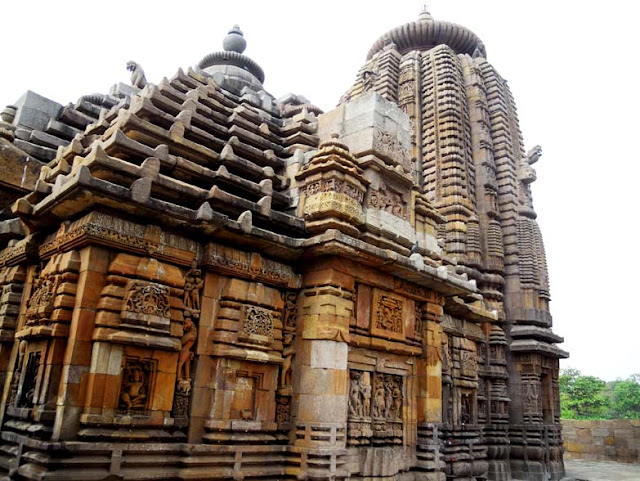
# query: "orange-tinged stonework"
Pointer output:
{"type": "Point", "coordinates": [200, 281]}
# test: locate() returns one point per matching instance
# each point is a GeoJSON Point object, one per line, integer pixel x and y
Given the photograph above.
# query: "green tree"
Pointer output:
{"type": "Point", "coordinates": [582, 397]}
{"type": "Point", "coordinates": [625, 399]}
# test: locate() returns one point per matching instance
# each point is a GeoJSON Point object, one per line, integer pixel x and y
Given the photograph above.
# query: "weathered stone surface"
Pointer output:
{"type": "Point", "coordinates": [205, 282]}
{"type": "Point", "coordinates": [608, 440]}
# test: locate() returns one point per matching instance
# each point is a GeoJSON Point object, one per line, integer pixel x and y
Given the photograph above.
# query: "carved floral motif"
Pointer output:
{"type": "Point", "coordinates": [258, 321]}
{"type": "Point", "coordinates": [283, 409]}
{"type": "Point", "coordinates": [251, 265]}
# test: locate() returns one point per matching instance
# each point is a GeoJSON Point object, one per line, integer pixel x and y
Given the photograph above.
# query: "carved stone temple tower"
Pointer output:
{"type": "Point", "coordinates": [200, 281]}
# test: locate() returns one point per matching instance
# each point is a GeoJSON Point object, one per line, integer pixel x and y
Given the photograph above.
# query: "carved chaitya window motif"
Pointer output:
{"type": "Point", "coordinates": [376, 403]}
{"type": "Point", "coordinates": [40, 305]}
{"type": "Point", "coordinates": [147, 298]}
{"type": "Point", "coordinates": [136, 386]}
{"type": "Point", "coordinates": [258, 321]}
{"type": "Point", "coordinates": [147, 304]}
{"type": "Point", "coordinates": [388, 315]}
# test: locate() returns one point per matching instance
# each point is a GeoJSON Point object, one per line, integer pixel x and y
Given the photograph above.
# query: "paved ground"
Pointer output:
{"type": "Point", "coordinates": [582, 470]}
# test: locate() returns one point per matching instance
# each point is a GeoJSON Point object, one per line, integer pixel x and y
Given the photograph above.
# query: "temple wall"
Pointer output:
{"type": "Point", "coordinates": [205, 282]}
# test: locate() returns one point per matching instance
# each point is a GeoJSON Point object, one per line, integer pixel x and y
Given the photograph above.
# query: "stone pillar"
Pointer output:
{"type": "Point", "coordinates": [78, 355]}
{"type": "Point", "coordinates": [320, 386]}
{"type": "Point", "coordinates": [433, 401]}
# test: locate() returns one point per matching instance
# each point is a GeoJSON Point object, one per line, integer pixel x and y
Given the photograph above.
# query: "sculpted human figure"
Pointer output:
{"type": "Point", "coordinates": [397, 400]}
{"type": "Point", "coordinates": [288, 353]}
{"type": "Point", "coordinates": [192, 284]}
{"type": "Point", "coordinates": [368, 79]}
{"type": "Point", "coordinates": [188, 339]}
{"type": "Point", "coordinates": [354, 396]}
{"type": "Point", "coordinates": [379, 405]}
{"type": "Point", "coordinates": [138, 78]}
{"type": "Point", "coordinates": [365, 392]}
{"type": "Point", "coordinates": [133, 392]}
{"type": "Point", "coordinates": [388, 395]}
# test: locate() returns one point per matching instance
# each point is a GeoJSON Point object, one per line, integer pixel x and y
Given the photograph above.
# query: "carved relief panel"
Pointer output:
{"type": "Point", "coordinates": [388, 315]}
{"type": "Point", "coordinates": [390, 200]}
{"type": "Point", "coordinates": [147, 303]}
{"type": "Point", "coordinates": [136, 387]}
{"type": "Point", "coordinates": [257, 323]}
{"type": "Point", "coordinates": [376, 402]}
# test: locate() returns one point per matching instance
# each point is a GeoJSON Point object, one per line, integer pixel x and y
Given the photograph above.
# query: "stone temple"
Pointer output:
{"type": "Point", "coordinates": [202, 282]}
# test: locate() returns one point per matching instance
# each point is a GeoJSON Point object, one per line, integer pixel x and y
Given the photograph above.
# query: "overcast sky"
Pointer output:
{"type": "Point", "coordinates": [572, 67]}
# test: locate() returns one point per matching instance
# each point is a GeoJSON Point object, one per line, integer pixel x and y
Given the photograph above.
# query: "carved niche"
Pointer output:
{"type": "Point", "coordinates": [531, 398]}
{"type": "Point", "coordinates": [136, 386]}
{"type": "Point", "coordinates": [243, 405]}
{"type": "Point", "coordinates": [147, 304]}
{"type": "Point", "coordinates": [388, 315]}
{"type": "Point", "coordinates": [376, 403]}
{"type": "Point", "coordinates": [27, 397]}
{"type": "Point", "coordinates": [17, 373]}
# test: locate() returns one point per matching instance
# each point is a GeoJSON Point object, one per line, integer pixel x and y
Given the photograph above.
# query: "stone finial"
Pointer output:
{"type": "Point", "coordinates": [234, 42]}
{"type": "Point", "coordinates": [425, 16]}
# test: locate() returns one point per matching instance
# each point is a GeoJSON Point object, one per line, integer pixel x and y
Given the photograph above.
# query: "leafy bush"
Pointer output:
{"type": "Point", "coordinates": [587, 397]}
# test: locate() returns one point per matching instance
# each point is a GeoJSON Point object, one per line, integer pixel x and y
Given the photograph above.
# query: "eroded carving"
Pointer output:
{"type": "Point", "coordinates": [258, 321]}
{"type": "Point", "coordinates": [388, 200]}
{"type": "Point", "coordinates": [135, 386]}
{"type": "Point", "coordinates": [388, 314]}
{"type": "Point", "coordinates": [391, 147]}
{"type": "Point", "coordinates": [193, 284]}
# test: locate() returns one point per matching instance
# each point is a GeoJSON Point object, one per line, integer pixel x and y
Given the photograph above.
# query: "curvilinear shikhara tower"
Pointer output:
{"type": "Point", "coordinates": [202, 282]}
